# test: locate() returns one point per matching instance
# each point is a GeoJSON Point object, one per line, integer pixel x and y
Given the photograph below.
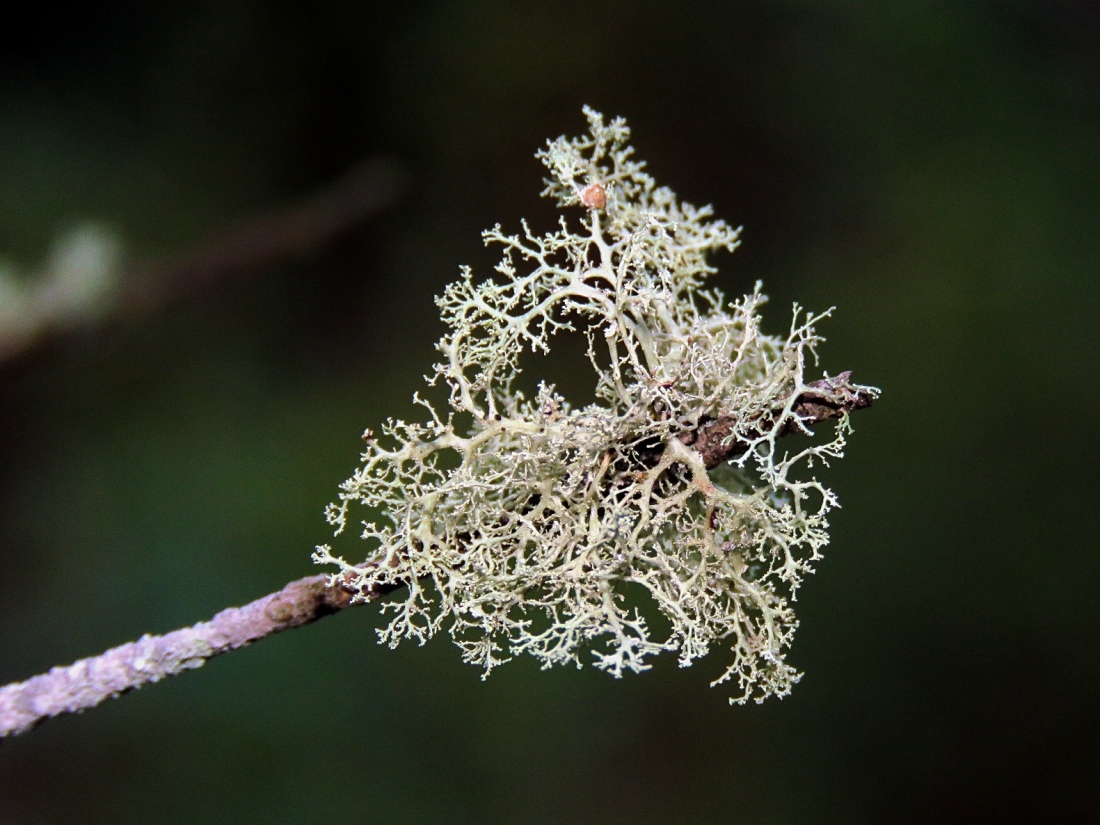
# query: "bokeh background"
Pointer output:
{"type": "Point", "coordinates": [930, 168]}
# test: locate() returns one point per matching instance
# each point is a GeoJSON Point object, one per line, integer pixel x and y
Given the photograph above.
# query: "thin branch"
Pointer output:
{"type": "Point", "coordinates": [85, 684]}
{"type": "Point", "coordinates": [822, 400]}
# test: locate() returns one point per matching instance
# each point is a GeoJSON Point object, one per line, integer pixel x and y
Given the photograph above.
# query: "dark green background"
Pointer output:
{"type": "Point", "coordinates": [931, 168]}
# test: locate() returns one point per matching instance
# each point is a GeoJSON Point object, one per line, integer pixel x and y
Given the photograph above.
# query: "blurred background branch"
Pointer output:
{"type": "Point", "coordinates": [85, 282]}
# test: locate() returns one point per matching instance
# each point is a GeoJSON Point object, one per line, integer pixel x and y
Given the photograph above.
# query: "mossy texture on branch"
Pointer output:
{"type": "Point", "coordinates": [519, 525]}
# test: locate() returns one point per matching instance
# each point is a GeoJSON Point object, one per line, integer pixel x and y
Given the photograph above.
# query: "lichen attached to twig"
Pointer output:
{"type": "Point", "coordinates": [521, 525]}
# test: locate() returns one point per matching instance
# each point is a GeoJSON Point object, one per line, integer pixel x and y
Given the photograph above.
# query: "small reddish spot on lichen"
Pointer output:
{"type": "Point", "coordinates": [594, 196]}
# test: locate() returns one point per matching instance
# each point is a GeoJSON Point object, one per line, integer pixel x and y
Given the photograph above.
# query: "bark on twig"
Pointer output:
{"type": "Point", "coordinates": [822, 400]}
{"type": "Point", "coordinates": [85, 684]}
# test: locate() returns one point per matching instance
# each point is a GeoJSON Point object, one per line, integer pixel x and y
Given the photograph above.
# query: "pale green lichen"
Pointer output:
{"type": "Point", "coordinates": [520, 524]}
{"type": "Point", "coordinates": [75, 286]}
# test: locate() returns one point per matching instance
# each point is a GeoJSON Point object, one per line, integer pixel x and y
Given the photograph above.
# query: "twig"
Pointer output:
{"type": "Point", "coordinates": [85, 684]}
{"type": "Point", "coordinates": [822, 400]}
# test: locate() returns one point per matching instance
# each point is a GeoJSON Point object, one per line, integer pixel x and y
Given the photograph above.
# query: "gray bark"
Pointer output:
{"type": "Point", "coordinates": [86, 683]}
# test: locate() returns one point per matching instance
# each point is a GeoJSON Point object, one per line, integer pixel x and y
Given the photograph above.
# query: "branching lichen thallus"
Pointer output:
{"type": "Point", "coordinates": [523, 531]}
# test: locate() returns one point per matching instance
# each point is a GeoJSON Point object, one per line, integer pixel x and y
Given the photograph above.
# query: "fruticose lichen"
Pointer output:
{"type": "Point", "coordinates": [526, 525]}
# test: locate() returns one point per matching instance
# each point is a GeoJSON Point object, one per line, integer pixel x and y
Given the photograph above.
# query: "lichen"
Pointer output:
{"type": "Point", "coordinates": [526, 525]}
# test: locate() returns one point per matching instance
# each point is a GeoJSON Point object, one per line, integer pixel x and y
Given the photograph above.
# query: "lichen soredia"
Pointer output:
{"type": "Point", "coordinates": [519, 523]}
